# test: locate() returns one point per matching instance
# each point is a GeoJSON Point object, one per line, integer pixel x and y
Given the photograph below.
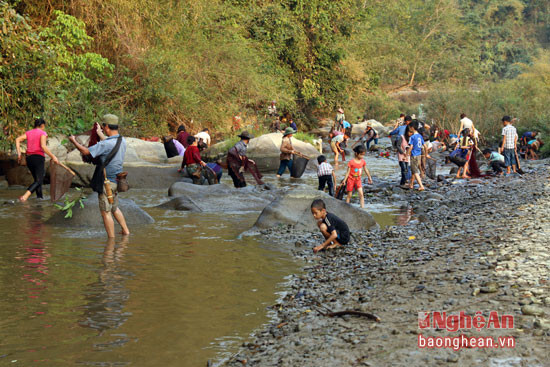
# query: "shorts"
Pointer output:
{"type": "Point", "coordinates": [104, 204]}
{"type": "Point", "coordinates": [509, 157]}
{"type": "Point", "coordinates": [342, 239]}
{"type": "Point", "coordinates": [415, 164]}
{"type": "Point", "coordinates": [353, 183]}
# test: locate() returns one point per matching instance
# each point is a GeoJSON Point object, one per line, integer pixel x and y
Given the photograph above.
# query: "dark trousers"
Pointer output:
{"type": "Point", "coordinates": [326, 180]}
{"type": "Point", "coordinates": [236, 179]}
{"type": "Point", "coordinates": [284, 164]}
{"type": "Point", "coordinates": [35, 163]}
{"type": "Point", "coordinates": [369, 141]}
{"type": "Point", "coordinates": [497, 166]}
{"type": "Point", "coordinates": [404, 172]}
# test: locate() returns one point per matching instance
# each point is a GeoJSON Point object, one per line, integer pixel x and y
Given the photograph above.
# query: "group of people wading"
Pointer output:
{"type": "Point", "coordinates": [413, 140]}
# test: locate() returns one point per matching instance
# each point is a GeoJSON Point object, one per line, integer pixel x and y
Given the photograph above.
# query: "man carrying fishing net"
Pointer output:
{"type": "Point", "coordinates": [111, 153]}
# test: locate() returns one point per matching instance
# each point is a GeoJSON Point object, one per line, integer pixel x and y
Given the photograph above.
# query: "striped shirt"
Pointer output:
{"type": "Point", "coordinates": [325, 169]}
{"type": "Point", "coordinates": [510, 132]}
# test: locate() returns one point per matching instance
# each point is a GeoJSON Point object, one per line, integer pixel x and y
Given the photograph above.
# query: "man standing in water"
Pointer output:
{"type": "Point", "coordinates": [113, 147]}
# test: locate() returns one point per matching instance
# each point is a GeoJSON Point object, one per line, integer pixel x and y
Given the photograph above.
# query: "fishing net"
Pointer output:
{"type": "Point", "coordinates": [298, 167]}
{"type": "Point", "coordinates": [60, 181]}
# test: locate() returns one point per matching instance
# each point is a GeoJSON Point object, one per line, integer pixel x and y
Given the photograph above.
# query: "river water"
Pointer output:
{"type": "Point", "coordinates": [176, 293]}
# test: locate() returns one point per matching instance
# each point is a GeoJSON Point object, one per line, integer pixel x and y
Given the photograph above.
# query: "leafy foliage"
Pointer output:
{"type": "Point", "coordinates": [70, 202]}
{"type": "Point", "coordinates": [199, 62]}
{"type": "Point", "coordinates": [46, 72]}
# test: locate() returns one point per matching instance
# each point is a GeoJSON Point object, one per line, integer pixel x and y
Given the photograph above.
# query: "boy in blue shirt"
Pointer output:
{"type": "Point", "coordinates": [416, 143]}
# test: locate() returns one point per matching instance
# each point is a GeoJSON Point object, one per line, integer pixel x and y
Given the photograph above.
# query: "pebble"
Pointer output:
{"type": "Point", "coordinates": [532, 310]}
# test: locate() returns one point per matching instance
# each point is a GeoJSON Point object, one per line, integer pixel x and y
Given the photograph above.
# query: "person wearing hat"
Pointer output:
{"type": "Point", "coordinates": [286, 151]}
{"type": "Point", "coordinates": [238, 162]}
{"type": "Point", "coordinates": [340, 117]}
{"type": "Point", "coordinates": [371, 135]}
{"type": "Point", "coordinates": [113, 143]}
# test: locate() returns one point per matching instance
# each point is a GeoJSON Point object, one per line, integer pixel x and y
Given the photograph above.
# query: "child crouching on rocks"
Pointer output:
{"type": "Point", "coordinates": [334, 229]}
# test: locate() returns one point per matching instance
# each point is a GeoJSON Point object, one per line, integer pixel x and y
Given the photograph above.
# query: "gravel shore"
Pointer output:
{"type": "Point", "coordinates": [478, 245]}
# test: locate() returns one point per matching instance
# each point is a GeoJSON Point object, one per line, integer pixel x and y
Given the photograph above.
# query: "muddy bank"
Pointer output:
{"type": "Point", "coordinates": [471, 246]}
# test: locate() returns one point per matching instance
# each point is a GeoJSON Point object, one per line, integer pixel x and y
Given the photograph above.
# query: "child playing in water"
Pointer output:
{"type": "Point", "coordinates": [334, 229]}
{"type": "Point", "coordinates": [326, 175]}
{"type": "Point", "coordinates": [353, 175]}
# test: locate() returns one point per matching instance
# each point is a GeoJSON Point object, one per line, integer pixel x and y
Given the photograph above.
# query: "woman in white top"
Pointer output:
{"type": "Point", "coordinates": [465, 123]}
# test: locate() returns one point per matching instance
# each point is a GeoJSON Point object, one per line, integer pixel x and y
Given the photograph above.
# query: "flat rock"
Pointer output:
{"type": "Point", "coordinates": [89, 216]}
{"type": "Point", "coordinates": [217, 198]}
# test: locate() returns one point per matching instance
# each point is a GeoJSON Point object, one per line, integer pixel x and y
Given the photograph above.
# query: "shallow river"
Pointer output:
{"type": "Point", "coordinates": [176, 293]}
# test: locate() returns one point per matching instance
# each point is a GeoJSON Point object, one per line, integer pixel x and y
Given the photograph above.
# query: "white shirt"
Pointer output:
{"type": "Point", "coordinates": [511, 134]}
{"type": "Point", "coordinates": [467, 123]}
{"type": "Point", "coordinates": [204, 136]}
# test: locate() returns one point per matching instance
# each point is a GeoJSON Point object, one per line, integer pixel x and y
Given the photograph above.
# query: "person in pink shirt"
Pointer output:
{"type": "Point", "coordinates": [36, 150]}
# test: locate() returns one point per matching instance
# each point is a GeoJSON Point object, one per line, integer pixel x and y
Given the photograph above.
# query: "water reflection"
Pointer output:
{"type": "Point", "coordinates": [107, 297]}
{"type": "Point", "coordinates": [404, 217]}
{"type": "Point", "coordinates": [34, 250]}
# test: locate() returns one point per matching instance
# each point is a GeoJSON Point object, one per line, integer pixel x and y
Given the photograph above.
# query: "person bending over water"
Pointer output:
{"type": "Point", "coordinates": [36, 147]}
{"type": "Point", "coordinates": [334, 229]}
{"type": "Point", "coordinates": [110, 151]}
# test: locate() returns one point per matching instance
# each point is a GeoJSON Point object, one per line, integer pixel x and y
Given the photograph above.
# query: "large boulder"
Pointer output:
{"type": "Point", "coordinates": [55, 145]}
{"type": "Point", "coordinates": [141, 175]}
{"type": "Point", "coordinates": [359, 129]}
{"type": "Point", "coordinates": [146, 164]}
{"type": "Point", "coordinates": [217, 198]}
{"type": "Point", "coordinates": [14, 173]}
{"type": "Point", "coordinates": [265, 151]}
{"type": "Point", "coordinates": [148, 151]}
{"type": "Point", "coordinates": [89, 216]}
{"type": "Point", "coordinates": [216, 151]}
{"type": "Point", "coordinates": [294, 208]}
{"type": "Point", "coordinates": [137, 151]}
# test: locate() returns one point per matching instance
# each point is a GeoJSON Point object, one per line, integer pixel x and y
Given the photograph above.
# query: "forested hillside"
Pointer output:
{"type": "Point", "coordinates": [199, 62]}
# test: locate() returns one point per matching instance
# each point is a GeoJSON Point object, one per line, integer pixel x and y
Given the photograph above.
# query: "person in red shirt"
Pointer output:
{"type": "Point", "coordinates": [192, 160]}
{"type": "Point", "coordinates": [182, 136]}
{"type": "Point", "coordinates": [353, 175]}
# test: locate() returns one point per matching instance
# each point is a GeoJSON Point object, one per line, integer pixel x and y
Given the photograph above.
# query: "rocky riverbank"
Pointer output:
{"type": "Point", "coordinates": [472, 246]}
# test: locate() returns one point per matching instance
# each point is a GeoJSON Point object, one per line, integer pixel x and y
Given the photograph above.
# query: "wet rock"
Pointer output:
{"type": "Point", "coordinates": [434, 195]}
{"type": "Point", "coordinates": [181, 203]}
{"type": "Point", "coordinates": [218, 198]}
